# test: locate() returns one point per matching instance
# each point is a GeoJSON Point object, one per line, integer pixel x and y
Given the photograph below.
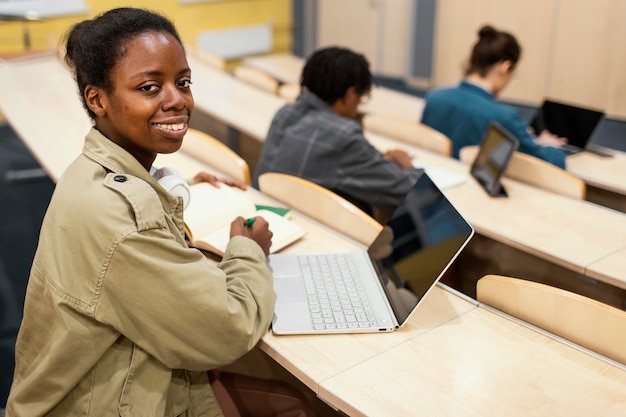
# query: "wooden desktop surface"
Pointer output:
{"type": "Point", "coordinates": [316, 358]}
{"type": "Point", "coordinates": [40, 100]}
{"type": "Point", "coordinates": [604, 177]}
{"type": "Point", "coordinates": [608, 173]}
{"type": "Point", "coordinates": [478, 364]}
{"type": "Point", "coordinates": [287, 68]}
{"type": "Point", "coordinates": [610, 269]}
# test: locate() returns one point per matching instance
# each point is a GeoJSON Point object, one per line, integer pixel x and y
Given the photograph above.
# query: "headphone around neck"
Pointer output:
{"type": "Point", "coordinates": [171, 180]}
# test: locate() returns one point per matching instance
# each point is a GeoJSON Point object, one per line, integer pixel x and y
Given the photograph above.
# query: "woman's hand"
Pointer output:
{"type": "Point", "coordinates": [215, 181]}
{"type": "Point", "coordinates": [548, 139]}
{"type": "Point", "coordinates": [256, 229]}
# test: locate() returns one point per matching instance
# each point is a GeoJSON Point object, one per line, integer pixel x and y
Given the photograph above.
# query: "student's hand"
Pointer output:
{"type": "Point", "coordinates": [215, 181]}
{"type": "Point", "coordinates": [257, 231]}
{"type": "Point", "coordinates": [399, 157]}
{"type": "Point", "coordinates": [548, 139]}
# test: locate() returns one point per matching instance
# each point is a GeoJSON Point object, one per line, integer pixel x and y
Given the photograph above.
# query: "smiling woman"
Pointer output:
{"type": "Point", "coordinates": [120, 314]}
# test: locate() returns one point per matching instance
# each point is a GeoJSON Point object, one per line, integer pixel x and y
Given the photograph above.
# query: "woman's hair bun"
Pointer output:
{"type": "Point", "coordinates": [487, 31]}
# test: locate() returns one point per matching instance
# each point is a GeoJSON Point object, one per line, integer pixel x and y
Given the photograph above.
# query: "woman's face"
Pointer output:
{"type": "Point", "coordinates": [149, 106]}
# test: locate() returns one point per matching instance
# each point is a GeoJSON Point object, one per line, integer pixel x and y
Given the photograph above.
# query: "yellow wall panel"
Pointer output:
{"type": "Point", "coordinates": [189, 18]}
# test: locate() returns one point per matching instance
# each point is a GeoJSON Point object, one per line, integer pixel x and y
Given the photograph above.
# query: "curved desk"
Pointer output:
{"type": "Point", "coordinates": [567, 232]}
{"type": "Point", "coordinates": [287, 68]}
{"type": "Point", "coordinates": [604, 177]}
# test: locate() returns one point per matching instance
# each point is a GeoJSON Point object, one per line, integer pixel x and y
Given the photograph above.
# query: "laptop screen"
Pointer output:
{"type": "Point", "coordinates": [494, 154]}
{"type": "Point", "coordinates": [577, 124]}
{"type": "Point", "coordinates": [422, 238]}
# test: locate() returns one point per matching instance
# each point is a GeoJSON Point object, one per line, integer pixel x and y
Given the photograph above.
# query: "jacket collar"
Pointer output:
{"type": "Point", "coordinates": [116, 159]}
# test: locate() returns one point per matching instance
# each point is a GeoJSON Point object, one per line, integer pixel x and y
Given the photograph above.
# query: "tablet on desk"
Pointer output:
{"type": "Point", "coordinates": [496, 150]}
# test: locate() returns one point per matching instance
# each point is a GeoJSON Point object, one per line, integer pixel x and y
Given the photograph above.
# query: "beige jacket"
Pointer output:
{"type": "Point", "coordinates": [122, 318]}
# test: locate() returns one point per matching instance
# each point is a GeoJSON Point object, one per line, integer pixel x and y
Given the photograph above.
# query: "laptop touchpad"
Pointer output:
{"type": "Point", "coordinates": [290, 289]}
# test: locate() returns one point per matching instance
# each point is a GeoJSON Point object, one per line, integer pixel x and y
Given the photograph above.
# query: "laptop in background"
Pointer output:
{"type": "Point", "coordinates": [577, 124]}
{"type": "Point", "coordinates": [496, 150]}
{"type": "Point", "coordinates": [373, 290]}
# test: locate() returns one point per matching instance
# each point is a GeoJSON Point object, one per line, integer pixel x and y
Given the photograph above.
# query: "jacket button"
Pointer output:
{"type": "Point", "coordinates": [120, 178]}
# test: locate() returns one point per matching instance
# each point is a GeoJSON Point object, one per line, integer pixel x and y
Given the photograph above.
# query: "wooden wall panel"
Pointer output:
{"type": "Point", "coordinates": [456, 30]}
{"type": "Point", "coordinates": [572, 50]}
{"type": "Point", "coordinates": [589, 55]}
{"type": "Point", "coordinates": [349, 23]}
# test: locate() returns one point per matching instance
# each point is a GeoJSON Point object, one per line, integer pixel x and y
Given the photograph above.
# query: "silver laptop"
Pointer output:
{"type": "Point", "coordinates": [374, 290]}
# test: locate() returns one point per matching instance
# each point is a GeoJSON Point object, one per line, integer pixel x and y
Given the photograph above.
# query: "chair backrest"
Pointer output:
{"type": "Point", "coordinates": [256, 78]}
{"type": "Point", "coordinates": [289, 92]}
{"type": "Point", "coordinates": [321, 204]}
{"type": "Point", "coordinates": [208, 57]}
{"type": "Point", "coordinates": [534, 171]}
{"type": "Point", "coordinates": [408, 131]}
{"type": "Point", "coordinates": [586, 322]}
{"type": "Point", "coordinates": [216, 154]}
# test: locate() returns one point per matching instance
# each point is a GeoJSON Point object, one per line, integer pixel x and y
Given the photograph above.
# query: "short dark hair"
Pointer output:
{"type": "Point", "coordinates": [329, 72]}
{"type": "Point", "coordinates": [493, 46]}
{"type": "Point", "coordinates": [93, 47]}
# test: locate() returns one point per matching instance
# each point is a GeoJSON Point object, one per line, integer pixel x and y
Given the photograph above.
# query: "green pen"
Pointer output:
{"type": "Point", "coordinates": [249, 222]}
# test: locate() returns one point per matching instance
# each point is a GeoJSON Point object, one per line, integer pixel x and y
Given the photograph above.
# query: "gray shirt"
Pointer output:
{"type": "Point", "coordinates": [309, 140]}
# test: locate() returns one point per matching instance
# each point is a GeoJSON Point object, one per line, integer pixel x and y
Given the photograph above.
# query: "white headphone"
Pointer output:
{"type": "Point", "coordinates": [171, 180]}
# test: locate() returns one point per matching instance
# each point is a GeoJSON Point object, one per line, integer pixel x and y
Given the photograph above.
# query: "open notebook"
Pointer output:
{"type": "Point", "coordinates": [374, 290]}
{"type": "Point", "coordinates": [212, 209]}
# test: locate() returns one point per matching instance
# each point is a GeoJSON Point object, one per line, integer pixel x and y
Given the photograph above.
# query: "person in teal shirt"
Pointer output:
{"type": "Point", "coordinates": [464, 112]}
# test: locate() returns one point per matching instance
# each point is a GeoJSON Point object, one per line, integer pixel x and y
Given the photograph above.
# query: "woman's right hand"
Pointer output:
{"type": "Point", "coordinates": [549, 139]}
{"type": "Point", "coordinates": [259, 231]}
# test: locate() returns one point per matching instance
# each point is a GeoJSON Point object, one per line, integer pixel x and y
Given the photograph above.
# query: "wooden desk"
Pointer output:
{"type": "Point", "coordinates": [568, 232]}
{"type": "Point", "coordinates": [610, 269]}
{"type": "Point", "coordinates": [234, 103]}
{"type": "Point", "coordinates": [602, 172]}
{"type": "Point", "coordinates": [288, 68]}
{"type": "Point", "coordinates": [315, 358]}
{"type": "Point", "coordinates": [604, 177]}
{"type": "Point", "coordinates": [40, 100]}
{"type": "Point", "coordinates": [479, 364]}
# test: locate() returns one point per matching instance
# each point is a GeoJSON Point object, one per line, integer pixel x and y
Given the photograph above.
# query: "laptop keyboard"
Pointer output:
{"type": "Point", "coordinates": [335, 294]}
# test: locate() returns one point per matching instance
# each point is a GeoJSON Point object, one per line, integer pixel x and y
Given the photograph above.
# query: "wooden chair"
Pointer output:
{"type": "Point", "coordinates": [216, 154]}
{"type": "Point", "coordinates": [534, 171]}
{"type": "Point", "coordinates": [321, 204]}
{"type": "Point", "coordinates": [581, 320]}
{"type": "Point", "coordinates": [208, 57]}
{"type": "Point", "coordinates": [408, 131]}
{"type": "Point", "coordinates": [256, 78]}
